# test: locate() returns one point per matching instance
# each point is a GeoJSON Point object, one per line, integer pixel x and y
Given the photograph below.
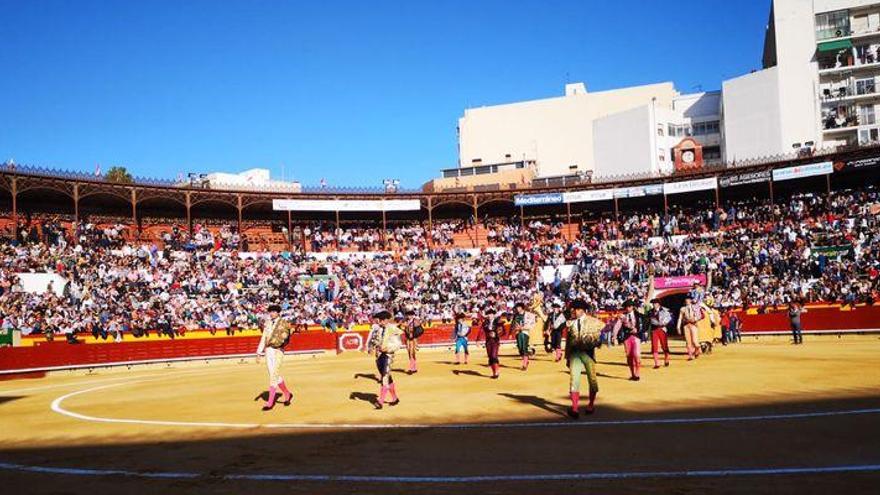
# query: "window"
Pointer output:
{"type": "Point", "coordinates": [865, 23]}
{"type": "Point", "coordinates": [450, 173]}
{"type": "Point", "coordinates": [485, 169]}
{"type": "Point", "coordinates": [865, 86]}
{"type": "Point", "coordinates": [711, 153]}
{"type": "Point", "coordinates": [832, 25]}
{"type": "Point", "coordinates": [866, 115]}
{"type": "Point", "coordinates": [867, 136]}
{"type": "Point", "coordinates": [866, 54]}
{"type": "Point", "coordinates": [703, 128]}
{"type": "Point", "coordinates": [660, 130]}
{"type": "Point", "coordinates": [477, 160]}
{"type": "Point", "coordinates": [860, 23]}
{"type": "Point", "coordinates": [671, 130]}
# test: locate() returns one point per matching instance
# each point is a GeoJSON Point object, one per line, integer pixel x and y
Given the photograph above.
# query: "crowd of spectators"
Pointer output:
{"type": "Point", "coordinates": [811, 248]}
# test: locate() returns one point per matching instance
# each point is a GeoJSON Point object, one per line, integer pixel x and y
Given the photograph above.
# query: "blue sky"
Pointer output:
{"type": "Point", "coordinates": [351, 91]}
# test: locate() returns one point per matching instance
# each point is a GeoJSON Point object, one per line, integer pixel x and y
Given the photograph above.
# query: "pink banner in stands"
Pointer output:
{"type": "Point", "coordinates": [679, 282]}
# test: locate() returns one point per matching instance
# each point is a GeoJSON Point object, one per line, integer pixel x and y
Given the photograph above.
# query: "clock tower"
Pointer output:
{"type": "Point", "coordinates": [688, 154]}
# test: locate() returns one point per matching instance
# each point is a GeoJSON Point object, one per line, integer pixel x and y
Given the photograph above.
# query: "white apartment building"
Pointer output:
{"type": "Point", "coordinates": [848, 65]}
{"type": "Point", "coordinates": [618, 132]}
{"type": "Point", "coordinates": [817, 88]}
{"type": "Point", "coordinates": [554, 133]}
{"type": "Point", "coordinates": [646, 138]}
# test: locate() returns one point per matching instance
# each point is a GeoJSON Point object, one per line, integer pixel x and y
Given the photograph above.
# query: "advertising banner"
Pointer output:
{"type": "Point", "coordinates": [537, 199]}
{"type": "Point", "coordinates": [743, 179]}
{"type": "Point", "coordinates": [346, 205]}
{"type": "Point", "coordinates": [679, 282]}
{"type": "Point", "coordinates": [591, 195]}
{"type": "Point", "coordinates": [638, 191]}
{"type": "Point", "coordinates": [857, 164]}
{"type": "Point", "coordinates": [690, 186]}
{"type": "Point", "coordinates": [801, 171]}
{"type": "Point", "coordinates": [832, 251]}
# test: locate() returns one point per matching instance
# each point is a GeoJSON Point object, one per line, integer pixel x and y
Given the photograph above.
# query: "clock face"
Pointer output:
{"type": "Point", "coordinates": [687, 157]}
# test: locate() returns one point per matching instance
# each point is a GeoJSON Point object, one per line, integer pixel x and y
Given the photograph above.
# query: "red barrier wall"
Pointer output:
{"type": "Point", "coordinates": [438, 334]}
{"type": "Point", "coordinates": [821, 318]}
{"type": "Point", "coordinates": [61, 354]}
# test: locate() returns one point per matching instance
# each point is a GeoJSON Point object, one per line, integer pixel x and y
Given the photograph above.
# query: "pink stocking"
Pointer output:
{"type": "Point", "coordinates": [283, 387]}
{"type": "Point", "coordinates": [393, 389]}
{"type": "Point", "coordinates": [272, 394]}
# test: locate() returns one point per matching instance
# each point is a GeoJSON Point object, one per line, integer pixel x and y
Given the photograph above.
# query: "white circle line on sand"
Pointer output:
{"type": "Point", "coordinates": [14, 391]}
{"type": "Point", "coordinates": [705, 473]}
{"type": "Point", "coordinates": [91, 379]}
{"type": "Point", "coordinates": [58, 408]}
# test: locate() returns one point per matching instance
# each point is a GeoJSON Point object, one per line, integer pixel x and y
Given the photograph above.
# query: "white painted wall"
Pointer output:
{"type": "Point", "coordinates": [752, 126]}
{"type": "Point", "coordinates": [623, 143]}
{"type": "Point", "coordinates": [628, 142]}
{"type": "Point", "coordinates": [798, 73]}
{"type": "Point", "coordinates": [555, 132]}
{"type": "Point", "coordinates": [698, 106]}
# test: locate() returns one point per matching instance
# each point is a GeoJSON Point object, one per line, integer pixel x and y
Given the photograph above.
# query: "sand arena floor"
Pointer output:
{"type": "Point", "coordinates": [762, 416]}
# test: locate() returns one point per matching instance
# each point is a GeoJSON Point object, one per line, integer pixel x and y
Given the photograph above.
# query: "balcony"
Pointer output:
{"type": "Point", "coordinates": [846, 33]}
{"type": "Point", "coordinates": [833, 33]}
{"type": "Point", "coordinates": [843, 58]}
{"type": "Point", "coordinates": [848, 91]}
{"type": "Point", "coordinates": [832, 124]}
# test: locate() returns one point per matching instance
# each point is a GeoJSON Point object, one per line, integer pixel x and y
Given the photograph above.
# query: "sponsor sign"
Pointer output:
{"type": "Point", "coordinates": [350, 342]}
{"type": "Point", "coordinates": [832, 251]}
{"type": "Point", "coordinates": [800, 171]}
{"type": "Point", "coordinates": [857, 164]}
{"type": "Point", "coordinates": [679, 282]}
{"type": "Point", "coordinates": [690, 186]}
{"type": "Point", "coordinates": [346, 205]}
{"type": "Point", "coordinates": [537, 199]}
{"type": "Point", "coordinates": [638, 191]}
{"type": "Point", "coordinates": [590, 195]}
{"type": "Point", "coordinates": [742, 179]}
